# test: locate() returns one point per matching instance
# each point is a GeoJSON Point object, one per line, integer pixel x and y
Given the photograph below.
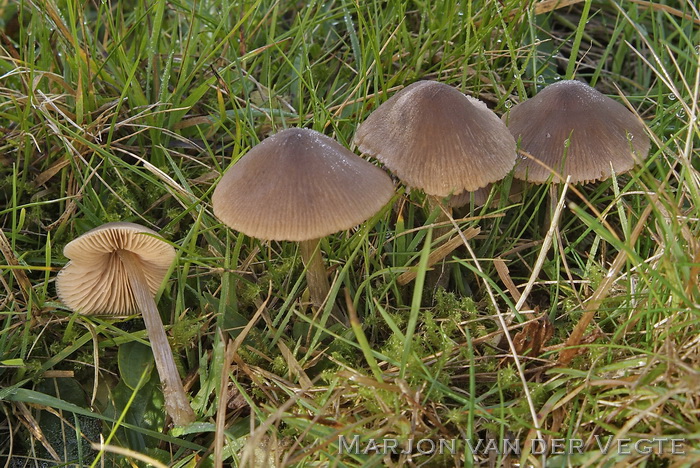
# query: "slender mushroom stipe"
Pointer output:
{"type": "Point", "coordinates": [176, 403]}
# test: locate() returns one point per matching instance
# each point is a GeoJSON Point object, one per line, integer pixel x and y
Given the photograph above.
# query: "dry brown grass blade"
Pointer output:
{"type": "Point", "coordinates": [546, 6]}
{"type": "Point", "coordinates": [293, 364]}
{"type": "Point", "coordinates": [58, 374]}
{"type": "Point", "coordinates": [504, 275]}
{"type": "Point", "coordinates": [534, 335]}
{"type": "Point", "coordinates": [223, 404]}
{"type": "Point", "coordinates": [440, 253]}
{"type": "Point", "coordinates": [368, 381]}
{"type": "Point", "coordinates": [46, 175]}
{"type": "Point", "coordinates": [129, 454]}
{"type": "Point", "coordinates": [666, 9]}
{"type": "Point", "coordinates": [65, 216]}
{"type": "Point", "coordinates": [693, 285]}
{"type": "Point", "coordinates": [19, 274]}
{"type": "Point", "coordinates": [34, 429]}
{"type": "Point", "coordinates": [52, 12]}
{"type": "Point", "coordinates": [193, 121]}
{"type": "Point", "coordinates": [540, 8]}
{"type": "Point", "coordinates": [591, 307]}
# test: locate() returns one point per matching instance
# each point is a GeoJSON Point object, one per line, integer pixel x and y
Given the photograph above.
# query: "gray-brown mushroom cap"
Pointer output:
{"type": "Point", "coordinates": [602, 134]}
{"type": "Point", "coordinates": [95, 280]}
{"type": "Point", "coordinates": [299, 185]}
{"type": "Point", "coordinates": [435, 138]}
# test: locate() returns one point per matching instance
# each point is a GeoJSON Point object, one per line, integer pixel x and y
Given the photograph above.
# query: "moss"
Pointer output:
{"type": "Point", "coordinates": [448, 305]}
{"type": "Point", "coordinates": [183, 332]}
{"type": "Point", "coordinates": [279, 366]}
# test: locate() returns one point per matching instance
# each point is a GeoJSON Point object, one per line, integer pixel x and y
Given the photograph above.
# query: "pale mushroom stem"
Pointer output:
{"type": "Point", "coordinates": [439, 276]}
{"type": "Point", "coordinates": [317, 277]}
{"type": "Point", "coordinates": [553, 195]}
{"type": "Point", "coordinates": [176, 403]}
{"type": "Point", "coordinates": [443, 216]}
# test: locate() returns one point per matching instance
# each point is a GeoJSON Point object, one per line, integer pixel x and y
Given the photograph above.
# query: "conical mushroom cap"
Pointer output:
{"type": "Point", "coordinates": [597, 127]}
{"type": "Point", "coordinates": [95, 280]}
{"type": "Point", "coordinates": [436, 139]}
{"type": "Point", "coordinates": [299, 185]}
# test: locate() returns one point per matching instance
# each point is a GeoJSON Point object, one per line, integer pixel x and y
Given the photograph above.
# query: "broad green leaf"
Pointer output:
{"type": "Point", "coordinates": [134, 359]}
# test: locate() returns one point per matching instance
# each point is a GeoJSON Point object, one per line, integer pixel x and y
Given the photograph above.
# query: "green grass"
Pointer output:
{"type": "Point", "coordinates": [131, 111]}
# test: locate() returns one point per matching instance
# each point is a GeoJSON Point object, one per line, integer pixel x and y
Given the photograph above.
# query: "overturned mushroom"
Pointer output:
{"type": "Point", "coordinates": [116, 269]}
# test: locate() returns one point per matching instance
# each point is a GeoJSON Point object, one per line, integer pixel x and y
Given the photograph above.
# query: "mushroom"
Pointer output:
{"type": "Point", "coordinates": [602, 135]}
{"type": "Point", "coordinates": [578, 132]}
{"type": "Point", "coordinates": [437, 139]}
{"type": "Point", "coordinates": [300, 185]}
{"type": "Point", "coordinates": [116, 269]}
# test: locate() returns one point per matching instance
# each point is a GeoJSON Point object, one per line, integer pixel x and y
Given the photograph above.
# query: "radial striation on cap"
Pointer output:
{"type": "Point", "coordinates": [95, 280]}
{"type": "Point", "coordinates": [299, 185]}
{"type": "Point", "coordinates": [435, 138]}
{"type": "Point", "coordinates": [603, 135]}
